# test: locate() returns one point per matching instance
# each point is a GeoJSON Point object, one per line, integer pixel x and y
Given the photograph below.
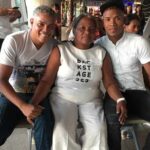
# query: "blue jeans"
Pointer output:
{"type": "Point", "coordinates": [138, 104]}
{"type": "Point", "coordinates": [10, 115]}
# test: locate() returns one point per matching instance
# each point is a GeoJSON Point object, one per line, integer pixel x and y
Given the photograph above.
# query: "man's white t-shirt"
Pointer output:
{"type": "Point", "coordinates": [79, 75]}
{"type": "Point", "coordinates": [127, 55]}
{"type": "Point", "coordinates": [27, 61]}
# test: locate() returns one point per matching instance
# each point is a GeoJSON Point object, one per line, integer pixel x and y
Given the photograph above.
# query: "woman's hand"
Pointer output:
{"type": "Point", "coordinates": [121, 111]}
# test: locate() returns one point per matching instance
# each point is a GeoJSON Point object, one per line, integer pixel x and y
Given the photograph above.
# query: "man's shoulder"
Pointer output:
{"type": "Point", "coordinates": [18, 36]}
{"type": "Point", "coordinates": [135, 40]}
{"type": "Point", "coordinates": [102, 42]}
{"type": "Point", "coordinates": [18, 33]}
{"type": "Point", "coordinates": [101, 39]}
{"type": "Point", "coordinates": [133, 37]}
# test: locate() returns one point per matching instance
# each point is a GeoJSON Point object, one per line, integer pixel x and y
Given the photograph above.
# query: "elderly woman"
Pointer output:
{"type": "Point", "coordinates": [78, 67]}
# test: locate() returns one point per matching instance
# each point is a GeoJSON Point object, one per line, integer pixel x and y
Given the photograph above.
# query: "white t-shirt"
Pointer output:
{"type": "Point", "coordinates": [5, 27]}
{"type": "Point", "coordinates": [28, 62]}
{"type": "Point", "coordinates": [127, 56]}
{"type": "Point", "coordinates": [79, 75]}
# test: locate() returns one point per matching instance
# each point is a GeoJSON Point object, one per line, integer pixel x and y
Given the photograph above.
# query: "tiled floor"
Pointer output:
{"type": "Point", "coordinates": [142, 132]}
{"type": "Point", "coordinates": [18, 140]}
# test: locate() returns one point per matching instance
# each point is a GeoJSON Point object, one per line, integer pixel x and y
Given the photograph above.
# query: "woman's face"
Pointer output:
{"type": "Point", "coordinates": [84, 33]}
{"type": "Point", "coordinates": [133, 26]}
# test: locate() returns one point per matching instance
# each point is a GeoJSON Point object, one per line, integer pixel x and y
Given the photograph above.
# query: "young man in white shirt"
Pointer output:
{"type": "Point", "coordinates": [128, 52]}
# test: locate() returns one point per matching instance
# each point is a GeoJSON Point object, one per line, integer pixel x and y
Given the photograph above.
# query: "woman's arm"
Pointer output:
{"type": "Point", "coordinates": [48, 78]}
{"type": "Point", "coordinates": [112, 88]}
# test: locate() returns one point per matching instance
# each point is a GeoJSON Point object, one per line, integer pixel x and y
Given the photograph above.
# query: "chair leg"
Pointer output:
{"type": "Point", "coordinates": [137, 145]}
{"type": "Point", "coordinates": [30, 134]}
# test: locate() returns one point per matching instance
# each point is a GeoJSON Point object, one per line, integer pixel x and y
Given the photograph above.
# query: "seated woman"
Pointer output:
{"type": "Point", "coordinates": [78, 67]}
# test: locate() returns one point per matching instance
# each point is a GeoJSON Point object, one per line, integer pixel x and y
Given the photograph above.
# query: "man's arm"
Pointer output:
{"type": "Point", "coordinates": [146, 74]}
{"type": "Point", "coordinates": [6, 88]}
{"type": "Point", "coordinates": [112, 88]}
{"type": "Point", "coordinates": [30, 111]}
{"type": "Point", "coordinates": [48, 78]}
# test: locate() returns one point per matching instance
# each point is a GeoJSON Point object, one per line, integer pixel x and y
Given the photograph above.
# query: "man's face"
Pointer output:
{"type": "Point", "coordinates": [113, 20]}
{"type": "Point", "coordinates": [42, 28]}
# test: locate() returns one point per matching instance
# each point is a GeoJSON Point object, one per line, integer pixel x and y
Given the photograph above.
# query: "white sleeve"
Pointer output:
{"type": "Point", "coordinates": [143, 50]}
{"type": "Point", "coordinates": [97, 41]}
{"type": "Point", "coordinates": [8, 52]}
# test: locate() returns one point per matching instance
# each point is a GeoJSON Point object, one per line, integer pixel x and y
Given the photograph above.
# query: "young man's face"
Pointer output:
{"type": "Point", "coordinates": [42, 28]}
{"type": "Point", "coordinates": [113, 20]}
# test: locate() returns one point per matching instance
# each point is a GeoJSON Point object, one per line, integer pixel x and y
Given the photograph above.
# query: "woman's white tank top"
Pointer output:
{"type": "Point", "coordinates": [79, 75]}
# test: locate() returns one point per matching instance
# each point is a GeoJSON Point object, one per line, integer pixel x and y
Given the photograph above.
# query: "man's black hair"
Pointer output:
{"type": "Point", "coordinates": [112, 3]}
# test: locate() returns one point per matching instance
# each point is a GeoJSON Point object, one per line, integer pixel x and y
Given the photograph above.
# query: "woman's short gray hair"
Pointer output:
{"type": "Point", "coordinates": [44, 9]}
